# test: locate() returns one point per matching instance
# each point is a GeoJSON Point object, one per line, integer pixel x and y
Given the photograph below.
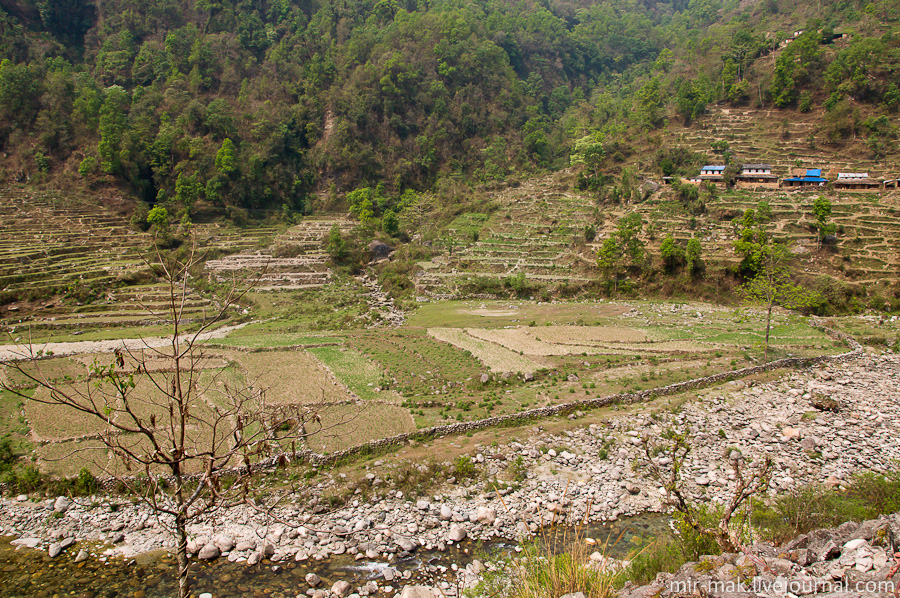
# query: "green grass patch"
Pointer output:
{"type": "Point", "coordinates": [353, 369]}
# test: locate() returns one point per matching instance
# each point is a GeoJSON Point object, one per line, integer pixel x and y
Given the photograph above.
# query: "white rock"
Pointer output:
{"type": "Point", "coordinates": [341, 588]}
{"type": "Point", "coordinates": [485, 515]}
{"type": "Point", "coordinates": [457, 533]}
{"type": "Point", "coordinates": [210, 551]}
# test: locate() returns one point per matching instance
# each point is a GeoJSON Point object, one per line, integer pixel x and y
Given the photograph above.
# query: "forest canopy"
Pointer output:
{"type": "Point", "coordinates": [259, 103]}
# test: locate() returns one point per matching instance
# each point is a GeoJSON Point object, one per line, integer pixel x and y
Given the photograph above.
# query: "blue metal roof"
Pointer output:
{"type": "Point", "coordinates": [806, 179]}
{"type": "Point", "coordinates": [718, 168]}
{"type": "Point", "coordinates": [813, 172]}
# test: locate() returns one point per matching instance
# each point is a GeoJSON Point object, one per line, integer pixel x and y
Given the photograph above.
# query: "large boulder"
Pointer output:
{"type": "Point", "coordinates": [208, 552]}
{"type": "Point", "coordinates": [457, 533]}
{"type": "Point", "coordinates": [341, 588]}
{"type": "Point", "coordinates": [224, 542]}
{"type": "Point", "coordinates": [485, 515]}
{"type": "Point", "coordinates": [61, 504]}
{"type": "Point", "coordinates": [380, 250]}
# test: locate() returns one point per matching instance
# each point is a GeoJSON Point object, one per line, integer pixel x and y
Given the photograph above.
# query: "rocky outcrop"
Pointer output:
{"type": "Point", "coordinates": [851, 560]}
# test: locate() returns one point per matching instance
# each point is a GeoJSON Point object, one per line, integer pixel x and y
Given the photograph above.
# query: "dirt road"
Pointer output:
{"type": "Point", "coordinates": [11, 352]}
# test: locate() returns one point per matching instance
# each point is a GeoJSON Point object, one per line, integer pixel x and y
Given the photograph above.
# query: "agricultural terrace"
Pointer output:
{"type": "Point", "coordinates": [371, 383]}
{"type": "Point", "coordinates": [74, 267]}
{"type": "Point", "coordinates": [64, 440]}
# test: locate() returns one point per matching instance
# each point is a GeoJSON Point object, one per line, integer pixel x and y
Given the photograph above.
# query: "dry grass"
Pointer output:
{"type": "Point", "coordinates": [557, 563]}
{"type": "Point", "coordinates": [349, 425]}
{"type": "Point", "coordinates": [590, 334]}
{"type": "Point", "coordinates": [494, 356]}
{"type": "Point", "coordinates": [58, 422]}
{"type": "Point", "coordinates": [291, 377]}
{"type": "Point", "coordinates": [56, 369]}
{"type": "Point", "coordinates": [67, 458]}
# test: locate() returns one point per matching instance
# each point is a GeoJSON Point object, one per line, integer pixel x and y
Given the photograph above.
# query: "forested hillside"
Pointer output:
{"type": "Point", "coordinates": [262, 103]}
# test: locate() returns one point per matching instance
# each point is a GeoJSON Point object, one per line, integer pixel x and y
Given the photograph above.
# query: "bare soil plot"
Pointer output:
{"type": "Point", "coordinates": [349, 425]}
{"type": "Point", "coordinates": [67, 458]}
{"type": "Point", "coordinates": [58, 422]}
{"type": "Point", "coordinates": [291, 377]}
{"type": "Point", "coordinates": [55, 369]}
{"type": "Point", "coordinates": [497, 313]}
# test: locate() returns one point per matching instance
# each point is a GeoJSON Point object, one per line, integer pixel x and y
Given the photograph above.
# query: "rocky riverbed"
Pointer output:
{"type": "Point", "coordinates": [854, 560]}
{"type": "Point", "coordinates": [818, 425]}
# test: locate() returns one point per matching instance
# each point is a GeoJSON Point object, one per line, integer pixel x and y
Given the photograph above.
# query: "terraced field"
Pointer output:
{"type": "Point", "coordinates": [867, 248]}
{"type": "Point", "coordinates": [296, 259]}
{"type": "Point", "coordinates": [779, 139]}
{"type": "Point", "coordinates": [70, 266]}
{"type": "Point", "coordinates": [531, 232]}
{"type": "Point", "coordinates": [49, 245]}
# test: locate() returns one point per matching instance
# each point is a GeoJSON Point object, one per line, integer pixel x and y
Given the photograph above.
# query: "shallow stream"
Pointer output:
{"type": "Point", "coordinates": [27, 573]}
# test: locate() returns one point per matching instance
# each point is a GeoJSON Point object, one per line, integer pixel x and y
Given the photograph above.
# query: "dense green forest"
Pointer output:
{"type": "Point", "coordinates": [259, 104]}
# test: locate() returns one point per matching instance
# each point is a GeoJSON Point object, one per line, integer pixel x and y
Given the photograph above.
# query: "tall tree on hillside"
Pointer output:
{"type": "Point", "coordinates": [822, 212]}
{"type": "Point", "coordinates": [774, 284]}
{"type": "Point", "coordinates": [193, 437]}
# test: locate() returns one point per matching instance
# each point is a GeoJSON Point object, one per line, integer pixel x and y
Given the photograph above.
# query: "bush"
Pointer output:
{"type": "Point", "coordinates": [464, 467]}
{"type": "Point", "coordinates": [85, 483]}
{"type": "Point", "coordinates": [7, 455]}
{"type": "Point", "coordinates": [668, 554]}
{"type": "Point", "coordinates": [541, 570]}
{"type": "Point", "coordinates": [812, 507]}
{"type": "Point", "coordinates": [27, 479]}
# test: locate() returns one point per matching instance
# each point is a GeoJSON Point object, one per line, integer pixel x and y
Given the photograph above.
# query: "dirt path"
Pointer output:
{"type": "Point", "coordinates": [12, 352]}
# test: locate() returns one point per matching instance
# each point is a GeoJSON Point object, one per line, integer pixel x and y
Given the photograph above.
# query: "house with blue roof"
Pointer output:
{"type": "Point", "coordinates": [812, 177]}
{"type": "Point", "coordinates": [711, 173]}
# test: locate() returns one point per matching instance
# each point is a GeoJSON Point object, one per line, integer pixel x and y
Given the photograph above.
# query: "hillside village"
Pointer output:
{"type": "Point", "coordinates": [761, 176]}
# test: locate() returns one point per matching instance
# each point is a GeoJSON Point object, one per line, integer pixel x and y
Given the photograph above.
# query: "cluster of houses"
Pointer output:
{"type": "Point", "coordinates": [760, 176]}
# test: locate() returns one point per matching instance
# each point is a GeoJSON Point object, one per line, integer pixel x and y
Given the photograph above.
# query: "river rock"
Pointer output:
{"type": "Point", "coordinates": [224, 542]}
{"type": "Point", "coordinates": [417, 592]}
{"type": "Point", "coordinates": [27, 542]}
{"type": "Point", "coordinates": [208, 552]}
{"type": "Point", "coordinates": [61, 504]}
{"type": "Point", "coordinates": [457, 533]}
{"type": "Point", "coordinates": [446, 513]}
{"type": "Point", "coordinates": [245, 545]}
{"type": "Point", "coordinates": [313, 580]}
{"type": "Point", "coordinates": [341, 588]}
{"type": "Point", "coordinates": [81, 556]}
{"type": "Point", "coordinates": [254, 558]}
{"type": "Point", "coordinates": [54, 550]}
{"type": "Point", "coordinates": [485, 515]}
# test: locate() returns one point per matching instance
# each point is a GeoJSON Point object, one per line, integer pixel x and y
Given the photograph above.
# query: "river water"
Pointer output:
{"type": "Point", "coordinates": [27, 573]}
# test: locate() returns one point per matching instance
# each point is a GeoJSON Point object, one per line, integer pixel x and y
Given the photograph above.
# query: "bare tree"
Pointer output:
{"type": "Point", "coordinates": [748, 482]}
{"type": "Point", "coordinates": [182, 440]}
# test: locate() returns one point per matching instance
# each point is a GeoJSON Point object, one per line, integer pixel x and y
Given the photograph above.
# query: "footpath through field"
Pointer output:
{"type": "Point", "coordinates": [18, 351]}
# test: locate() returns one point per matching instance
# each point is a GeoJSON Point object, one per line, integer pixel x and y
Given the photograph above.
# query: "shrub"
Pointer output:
{"type": "Point", "coordinates": [811, 507]}
{"type": "Point", "coordinates": [464, 467]}
{"type": "Point", "coordinates": [85, 482]}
